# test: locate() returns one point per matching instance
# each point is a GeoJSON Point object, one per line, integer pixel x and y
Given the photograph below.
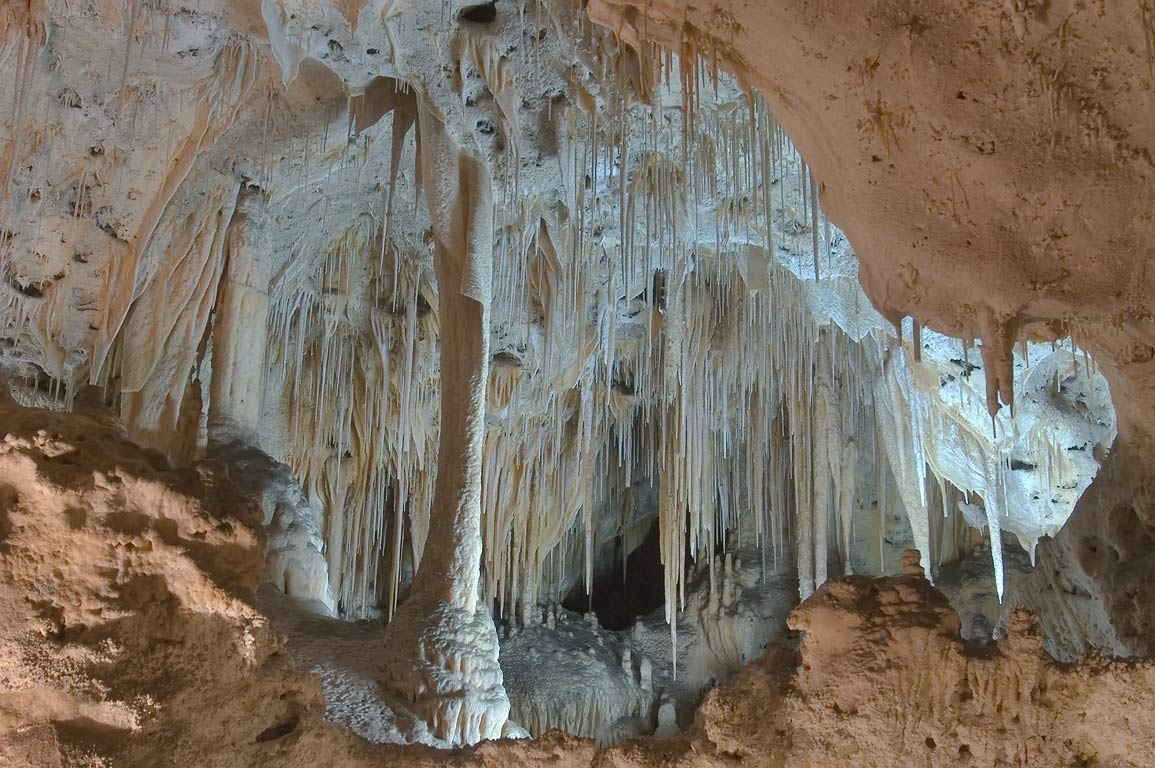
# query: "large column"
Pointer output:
{"type": "Point", "coordinates": [441, 649]}
{"type": "Point", "coordinates": [294, 549]}
{"type": "Point", "coordinates": [239, 338]}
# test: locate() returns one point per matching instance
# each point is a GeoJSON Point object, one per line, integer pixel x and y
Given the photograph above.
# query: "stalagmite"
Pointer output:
{"type": "Point", "coordinates": [847, 497]}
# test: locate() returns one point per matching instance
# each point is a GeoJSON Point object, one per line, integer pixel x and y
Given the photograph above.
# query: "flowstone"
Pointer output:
{"type": "Point", "coordinates": [455, 682]}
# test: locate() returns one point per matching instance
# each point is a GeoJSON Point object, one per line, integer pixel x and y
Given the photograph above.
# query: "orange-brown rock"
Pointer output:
{"type": "Point", "coordinates": [129, 638]}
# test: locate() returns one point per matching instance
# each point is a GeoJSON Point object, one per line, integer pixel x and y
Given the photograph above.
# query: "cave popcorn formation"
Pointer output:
{"type": "Point", "coordinates": [476, 300]}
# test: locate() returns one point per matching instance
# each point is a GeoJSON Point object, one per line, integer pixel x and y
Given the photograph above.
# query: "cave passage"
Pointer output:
{"type": "Point", "coordinates": [620, 599]}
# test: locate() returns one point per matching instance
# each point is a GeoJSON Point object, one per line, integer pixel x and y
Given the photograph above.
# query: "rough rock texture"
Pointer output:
{"type": "Point", "coordinates": [1092, 588]}
{"type": "Point", "coordinates": [992, 164]}
{"type": "Point", "coordinates": [885, 680]}
{"type": "Point", "coordinates": [129, 638]}
{"type": "Point", "coordinates": [128, 635]}
{"type": "Point", "coordinates": [122, 599]}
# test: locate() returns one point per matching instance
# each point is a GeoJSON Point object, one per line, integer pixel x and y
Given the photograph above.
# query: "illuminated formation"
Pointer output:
{"type": "Point", "coordinates": [519, 332]}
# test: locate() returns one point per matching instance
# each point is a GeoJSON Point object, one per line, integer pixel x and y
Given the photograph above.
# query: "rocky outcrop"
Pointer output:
{"type": "Point", "coordinates": [1092, 589]}
{"type": "Point", "coordinates": [128, 632]}
{"type": "Point", "coordinates": [884, 680]}
{"type": "Point", "coordinates": [129, 637]}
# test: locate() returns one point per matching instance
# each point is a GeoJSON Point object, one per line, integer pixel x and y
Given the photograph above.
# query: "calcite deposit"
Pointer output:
{"type": "Point", "coordinates": [591, 383]}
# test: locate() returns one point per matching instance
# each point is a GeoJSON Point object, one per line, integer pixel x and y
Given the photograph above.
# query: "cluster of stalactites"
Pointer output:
{"type": "Point", "coordinates": [643, 331]}
{"type": "Point", "coordinates": [49, 197]}
{"type": "Point", "coordinates": [659, 339]}
{"type": "Point", "coordinates": [356, 364]}
{"type": "Point", "coordinates": [650, 322]}
{"type": "Point", "coordinates": [953, 468]}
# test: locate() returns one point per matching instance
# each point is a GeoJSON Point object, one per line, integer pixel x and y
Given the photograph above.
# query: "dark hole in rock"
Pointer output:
{"type": "Point", "coordinates": [485, 13]}
{"type": "Point", "coordinates": [28, 287]}
{"type": "Point", "coordinates": [659, 289]}
{"type": "Point", "coordinates": [279, 731]}
{"type": "Point", "coordinates": [8, 500]}
{"type": "Point", "coordinates": [619, 602]}
{"type": "Point", "coordinates": [506, 358]}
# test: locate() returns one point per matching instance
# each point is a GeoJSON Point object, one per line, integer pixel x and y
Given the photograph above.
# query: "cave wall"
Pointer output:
{"type": "Point", "coordinates": [1010, 140]}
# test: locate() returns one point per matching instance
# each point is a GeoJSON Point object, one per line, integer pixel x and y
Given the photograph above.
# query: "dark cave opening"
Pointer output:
{"type": "Point", "coordinates": [619, 599]}
{"type": "Point", "coordinates": [485, 13]}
